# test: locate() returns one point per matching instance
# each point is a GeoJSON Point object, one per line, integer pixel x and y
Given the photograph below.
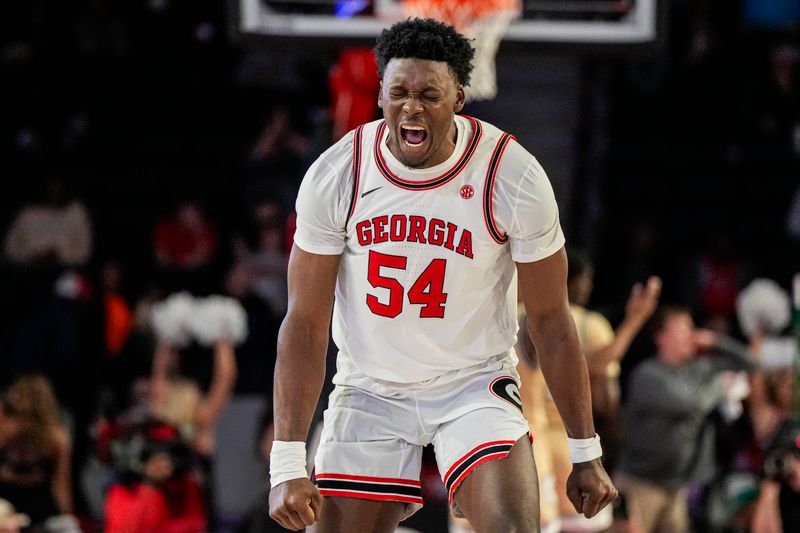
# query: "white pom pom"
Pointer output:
{"type": "Point", "coordinates": [171, 319]}
{"type": "Point", "coordinates": [219, 317]}
{"type": "Point", "coordinates": [763, 304]}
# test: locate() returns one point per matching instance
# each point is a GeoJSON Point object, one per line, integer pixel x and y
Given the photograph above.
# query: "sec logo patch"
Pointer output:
{"type": "Point", "coordinates": [467, 192]}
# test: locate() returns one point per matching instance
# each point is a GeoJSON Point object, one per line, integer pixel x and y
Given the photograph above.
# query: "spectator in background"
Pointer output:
{"type": "Point", "coordinates": [184, 406]}
{"type": "Point", "coordinates": [180, 402]}
{"type": "Point", "coordinates": [130, 369]}
{"type": "Point", "coordinates": [35, 451]}
{"type": "Point", "coordinates": [261, 256]}
{"type": "Point", "coordinates": [669, 440]}
{"type": "Point", "coordinates": [255, 357]}
{"type": "Point", "coordinates": [52, 317]}
{"type": "Point", "coordinates": [185, 246]}
{"type": "Point", "coordinates": [267, 266]}
{"type": "Point", "coordinates": [778, 506]}
{"type": "Point", "coordinates": [49, 244]}
{"type": "Point", "coordinates": [283, 150]}
{"type": "Point", "coordinates": [162, 496]}
{"type": "Point", "coordinates": [764, 313]}
{"type": "Point", "coordinates": [49, 241]}
{"type": "Point", "coordinates": [186, 328]}
{"type": "Point", "coordinates": [56, 230]}
{"type": "Point", "coordinates": [353, 82]}
{"type": "Point", "coordinates": [263, 213]}
{"type": "Point", "coordinates": [603, 348]}
{"type": "Point", "coordinates": [118, 314]}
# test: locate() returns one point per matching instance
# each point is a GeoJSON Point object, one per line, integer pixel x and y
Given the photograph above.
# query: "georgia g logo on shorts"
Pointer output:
{"type": "Point", "coordinates": [507, 389]}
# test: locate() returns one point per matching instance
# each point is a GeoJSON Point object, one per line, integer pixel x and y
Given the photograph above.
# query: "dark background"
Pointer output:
{"type": "Point", "coordinates": [679, 159]}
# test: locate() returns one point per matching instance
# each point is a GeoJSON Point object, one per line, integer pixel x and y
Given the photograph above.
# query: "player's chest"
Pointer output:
{"type": "Point", "coordinates": [447, 220]}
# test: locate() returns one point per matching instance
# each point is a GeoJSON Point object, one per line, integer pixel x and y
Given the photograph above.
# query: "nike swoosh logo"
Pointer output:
{"type": "Point", "coordinates": [370, 192]}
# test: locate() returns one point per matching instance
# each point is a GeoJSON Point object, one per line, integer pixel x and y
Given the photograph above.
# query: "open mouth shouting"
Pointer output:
{"type": "Point", "coordinates": [413, 139]}
{"type": "Point", "coordinates": [413, 135]}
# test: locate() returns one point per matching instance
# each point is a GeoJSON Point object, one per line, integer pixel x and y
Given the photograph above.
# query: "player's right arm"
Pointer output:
{"type": "Point", "coordinates": [322, 207]}
{"type": "Point", "coordinates": [299, 375]}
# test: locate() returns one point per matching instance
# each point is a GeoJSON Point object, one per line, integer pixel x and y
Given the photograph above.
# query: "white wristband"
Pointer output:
{"type": "Point", "coordinates": [287, 460]}
{"type": "Point", "coordinates": [582, 450]}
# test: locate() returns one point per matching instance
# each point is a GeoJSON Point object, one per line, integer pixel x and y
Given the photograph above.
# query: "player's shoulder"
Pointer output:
{"type": "Point", "coordinates": [488, 134]}
{"type": "Point", "coordinates": [515, 161]}
{"type": "Point", "coordinates": [488, 131]}
{"type": "Point", "coordinates": [494, 136]}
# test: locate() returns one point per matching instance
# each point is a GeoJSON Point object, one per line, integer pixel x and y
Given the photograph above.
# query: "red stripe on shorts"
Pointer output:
{"type": "Point", "coordinates": [457, 482]}
{"type": "Point", "coordinates": [412, 482]}
{"type": "Point", "coordinates": [370, 496]}
{"type": "Point", "coordinates": [473, 451]}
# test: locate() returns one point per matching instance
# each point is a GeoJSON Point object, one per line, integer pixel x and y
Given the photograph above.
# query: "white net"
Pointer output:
{"type": "Point", "coordinates": [487, 32]}
{"type": "Point", "coordinates": [485, 22]}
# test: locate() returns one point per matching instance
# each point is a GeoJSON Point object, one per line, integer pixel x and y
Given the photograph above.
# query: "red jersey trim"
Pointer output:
{"type": "Point", "coordinates": [356, 171]}
{"type": "Point", "coordinates": [394, 179]}
{"type": "Point", "coordinates": [488, 189]}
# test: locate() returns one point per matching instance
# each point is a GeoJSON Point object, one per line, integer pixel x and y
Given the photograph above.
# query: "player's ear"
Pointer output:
{"type": "Point", "coordinates": [380, 95]}
{"type": "Point", "coordinates": [460, 98]}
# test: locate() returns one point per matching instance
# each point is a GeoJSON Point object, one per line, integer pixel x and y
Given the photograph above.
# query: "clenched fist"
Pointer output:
{"type": "Point", "coordinates": [589, 488]}
{"type": "Point", "coordinates": [295, 504]}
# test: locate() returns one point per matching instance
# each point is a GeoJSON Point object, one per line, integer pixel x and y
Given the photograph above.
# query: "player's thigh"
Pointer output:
{"type": "Point", "coordinates": [503, 495]}
{"type": "Point", "coordinates": [346, 515]}
{"type": "Point", "coordinates": [486, 456]}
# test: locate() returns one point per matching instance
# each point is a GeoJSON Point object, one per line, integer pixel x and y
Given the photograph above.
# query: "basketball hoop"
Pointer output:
{"type": "Point", "coordinates": [483, 21]}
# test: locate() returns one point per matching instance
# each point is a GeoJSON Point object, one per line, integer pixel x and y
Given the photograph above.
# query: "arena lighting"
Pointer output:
{"type": "Point", "coordinates": [545, 21]}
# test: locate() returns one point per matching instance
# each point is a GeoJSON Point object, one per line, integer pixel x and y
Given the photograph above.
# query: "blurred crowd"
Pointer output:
{"type": "Point", "coordinates": [155, 160]}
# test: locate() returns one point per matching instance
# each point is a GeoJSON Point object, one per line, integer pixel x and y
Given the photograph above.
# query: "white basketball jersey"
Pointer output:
{"type": "Point", "coordinates": [427, 281]}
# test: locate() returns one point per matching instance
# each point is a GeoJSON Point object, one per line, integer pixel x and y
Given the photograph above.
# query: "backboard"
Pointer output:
{"type": "Point", "coordinates": [592, 22]}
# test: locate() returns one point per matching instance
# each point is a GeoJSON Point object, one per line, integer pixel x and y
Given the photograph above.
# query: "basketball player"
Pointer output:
{"type": "Point", "coordinates": [414, 229]}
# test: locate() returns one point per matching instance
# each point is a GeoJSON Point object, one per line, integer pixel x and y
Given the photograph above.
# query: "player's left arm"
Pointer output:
{"type": "Point", "coordinates": [543, 288]}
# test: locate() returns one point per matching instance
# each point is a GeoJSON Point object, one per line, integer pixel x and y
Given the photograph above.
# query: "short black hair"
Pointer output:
{"type": "Point", "coordinates": [426, 39]}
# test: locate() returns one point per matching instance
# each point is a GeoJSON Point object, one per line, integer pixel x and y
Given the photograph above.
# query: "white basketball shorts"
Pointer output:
{"type": "Point", "coordinates": [374, 431]}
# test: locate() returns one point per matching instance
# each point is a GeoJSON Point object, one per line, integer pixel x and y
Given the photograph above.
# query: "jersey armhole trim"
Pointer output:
{"type": "Point", "coordinates": [461, 164]}
{"type": "Point", "coordinates": [491, 174]}
{"type": "Point", "coordinates": [356, 171]}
